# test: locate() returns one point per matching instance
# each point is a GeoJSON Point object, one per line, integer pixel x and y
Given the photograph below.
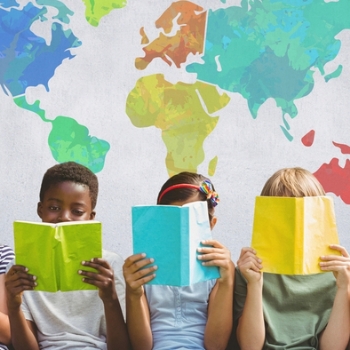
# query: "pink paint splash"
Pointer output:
{"type": "Point", "coordinates": [336, 179]}
{"type": "Point", "coordinates": [308, 139]}
{"type": "Point", "coordinates": [345, 149]}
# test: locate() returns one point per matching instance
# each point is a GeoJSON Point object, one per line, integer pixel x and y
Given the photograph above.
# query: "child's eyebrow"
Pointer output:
{"type": "Point", "coordinates": [54, 199]}
{"type": "Point", "coordinates": [80, 203]}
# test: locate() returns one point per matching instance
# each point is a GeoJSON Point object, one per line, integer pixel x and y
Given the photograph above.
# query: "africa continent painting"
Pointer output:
{"type": "Point", "coordinates": [138, 91]}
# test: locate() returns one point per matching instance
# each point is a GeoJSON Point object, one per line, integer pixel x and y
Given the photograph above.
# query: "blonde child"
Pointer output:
{"type": "Point", "coordinates": [193, 317]}
{"type": "Point", "coordinates": [293, 312]}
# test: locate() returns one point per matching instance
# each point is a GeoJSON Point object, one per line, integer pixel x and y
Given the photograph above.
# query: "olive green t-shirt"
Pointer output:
{"type": "Point", "coordinates": [296, 308]}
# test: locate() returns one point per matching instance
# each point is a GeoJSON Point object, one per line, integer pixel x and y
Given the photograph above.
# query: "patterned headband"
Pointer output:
{"type": "Point", "coordinates": [205, 187]}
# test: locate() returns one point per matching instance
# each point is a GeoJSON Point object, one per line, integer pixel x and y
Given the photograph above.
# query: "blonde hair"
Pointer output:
{"type": "Point", "coordinates": [292, 182]}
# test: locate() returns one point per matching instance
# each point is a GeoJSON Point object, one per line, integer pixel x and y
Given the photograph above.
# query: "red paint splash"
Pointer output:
{"type": "Point", "coordinates": [335, 179]}
{"type": "Point", "coordinates": [345, 149]}
{"type": "Point", "coordinates": [308, 139]}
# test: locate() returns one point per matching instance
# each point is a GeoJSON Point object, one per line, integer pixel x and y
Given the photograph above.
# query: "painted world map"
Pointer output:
{"type": "Point", "coordinates": [261, 50]}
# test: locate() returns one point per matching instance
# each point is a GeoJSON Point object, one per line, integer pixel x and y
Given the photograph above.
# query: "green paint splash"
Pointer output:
{"type": "Point", "coordinates": [334, 74]}
{"type": "Point", "coordinates": [35, 107]}
{"type": "Point", "coordinates": [212, 166]}
{"type": "Point", "coordinates": [63, 10]}
{"type": "Point", "coordinates": [181, 111]}
{"type": "Point", "coordinates": [70, 141]}
{"type": "Point", "coordinates": [96, 9]}
{"type": "Point", "coordinates": [271, 48]}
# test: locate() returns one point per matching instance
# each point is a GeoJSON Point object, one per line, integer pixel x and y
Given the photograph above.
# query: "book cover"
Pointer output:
{"type": "Point", "coordinates": [54, 252]}
{"type": "Point", "coordinates": [171, 235]}
{"type": "Point", "coordinates": [290, 234]}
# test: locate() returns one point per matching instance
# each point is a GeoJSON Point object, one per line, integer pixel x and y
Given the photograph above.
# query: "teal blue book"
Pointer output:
{"type": "Point", "coordinates": [171, 235]}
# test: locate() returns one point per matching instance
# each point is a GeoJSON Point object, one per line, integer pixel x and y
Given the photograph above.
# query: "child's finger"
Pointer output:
{"type": "Point", "coordinates": [96, 262]}
{"type": "Point", "coordinates": [143, 272]}
{"type": "Point", "coordinates": [138, 265]}
{"type": "Point", "coordinates": [22, 282]}
{"type": "Point", "coordinates": [20, 276]}
{"type": "Point", "coordinates": [21, 288]}
{"type": "Point", "coordinates": [19, 285]}
{"type": "Point", "coordinates": [340, 249]}
{"type": "Point", "coordinates": [100, 265]}
{"type": "Point", "coordinates": [133, 258]}
{"type": "Point", "coordinates": [218, 262]}
{"type": "Point", "coordinates": [249, 257]}
{"type": "Point", "coordinates": [140, 282]}
{"type": "Point", "coordinates": [213, 243]}
{"type": "Point", "coordinates": [250, 264]}
{"type": "Point", "coordinates": [17, 268]}
{"type": "Point", "coordinates": [334, 263]}
{"type": "Point", "coordinates": [213, 256]}
{"type": "Point", "coordinates": [99, 283]}
{"type": "Point", "coordinates": [334, 257]}
{"type": "Point", "coordinates": [107, 274]}
{"type": "Point", "coordinates": [206, 250]}
{"type": "Point", "coordinates": [247, 250]}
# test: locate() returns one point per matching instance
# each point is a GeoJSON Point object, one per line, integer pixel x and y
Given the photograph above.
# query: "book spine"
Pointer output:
{"type": "Point", "coordinates": [185, 253]}
{"type": "Point", "coordinates": [58, 255]}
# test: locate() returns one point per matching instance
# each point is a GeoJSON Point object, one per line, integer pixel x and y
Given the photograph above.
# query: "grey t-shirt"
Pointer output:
{"type": "Point", "coordinates": [296, 308]}
{"type": "Point", "coordinates": [72, 320]}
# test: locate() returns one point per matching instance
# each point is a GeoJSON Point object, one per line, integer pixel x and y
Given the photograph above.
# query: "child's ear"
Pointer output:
{"type": "Point", "coordinates": [39, 209]}
{"type": "Point", "coordinates": [92, 215]}
{"type": "Point", "coordinates": [213, 222]}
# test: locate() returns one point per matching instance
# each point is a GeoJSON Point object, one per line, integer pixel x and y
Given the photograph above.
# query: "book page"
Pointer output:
{"type": "Point", "coordinates": [157, 231]}
{"type": "Point", "coordinates": [54, 252]}
{"type": "Point", "coordinates": [34, 248]}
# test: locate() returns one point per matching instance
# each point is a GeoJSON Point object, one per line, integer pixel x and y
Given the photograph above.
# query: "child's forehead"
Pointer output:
{"type": "Point", "coordinates": [67, 188]}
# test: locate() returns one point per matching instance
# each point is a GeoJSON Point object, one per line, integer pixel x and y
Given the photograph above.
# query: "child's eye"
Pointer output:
{"type": "Point", "coordinates": [78, 212]}
{"type": "Point", "coordinates": [53, 208]}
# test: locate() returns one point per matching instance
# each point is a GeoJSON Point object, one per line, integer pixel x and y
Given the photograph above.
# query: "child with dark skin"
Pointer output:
{"type": "Point", "coordinates": [78, 318]}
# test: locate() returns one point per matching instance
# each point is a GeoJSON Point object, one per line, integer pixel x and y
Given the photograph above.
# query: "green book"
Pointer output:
{"type": "Point", "coordinates": [54, 252]}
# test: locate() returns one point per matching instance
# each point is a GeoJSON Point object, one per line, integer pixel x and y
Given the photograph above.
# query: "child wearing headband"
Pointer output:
{"type": "Point", "coordinates": [293, 311]}
{"type": "Point", "coordinates": [192, 317]}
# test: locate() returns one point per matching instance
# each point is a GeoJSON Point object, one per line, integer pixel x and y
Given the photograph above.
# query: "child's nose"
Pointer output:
{"type": "Point", "coordinates": [64, 216]}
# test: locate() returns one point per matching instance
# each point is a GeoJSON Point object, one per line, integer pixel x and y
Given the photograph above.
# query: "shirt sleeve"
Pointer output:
{"type": "Point", "coordinates": [117, 262]}
{"type": "Point", "coordinates": [6, 256]}
{"type": "Point", "coordinates": [27, 314]}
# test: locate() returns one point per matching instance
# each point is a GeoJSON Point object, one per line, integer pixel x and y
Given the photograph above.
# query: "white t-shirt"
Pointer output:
{"type": "Point", "coordinates": [73, 320]}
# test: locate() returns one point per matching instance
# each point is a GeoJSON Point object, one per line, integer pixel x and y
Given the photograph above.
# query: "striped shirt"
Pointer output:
{"type": "Point", "coordinates": [6, 255]}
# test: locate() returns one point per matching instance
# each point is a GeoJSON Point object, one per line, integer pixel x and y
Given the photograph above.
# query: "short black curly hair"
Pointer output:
{"type": "Point", "coordinates": [74, 172]}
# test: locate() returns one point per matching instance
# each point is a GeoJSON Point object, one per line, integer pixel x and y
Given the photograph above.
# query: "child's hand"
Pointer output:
{"type": "Point", "coordinates": [250, 265]}
{"type": "Point", "coordinates": [18, 280]}
{"type": "Point", "coordinates": [340, 265]}
{"type": "Point", "coordinates": [217, 255]}
{"type": "Point", "coordinates": [103, 279]}
{"type": "Point", "coordinates": [134, 274]}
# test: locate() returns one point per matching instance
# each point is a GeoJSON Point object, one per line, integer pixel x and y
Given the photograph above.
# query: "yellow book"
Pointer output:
{"type": "Point", "coordinates": [290, 234]}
